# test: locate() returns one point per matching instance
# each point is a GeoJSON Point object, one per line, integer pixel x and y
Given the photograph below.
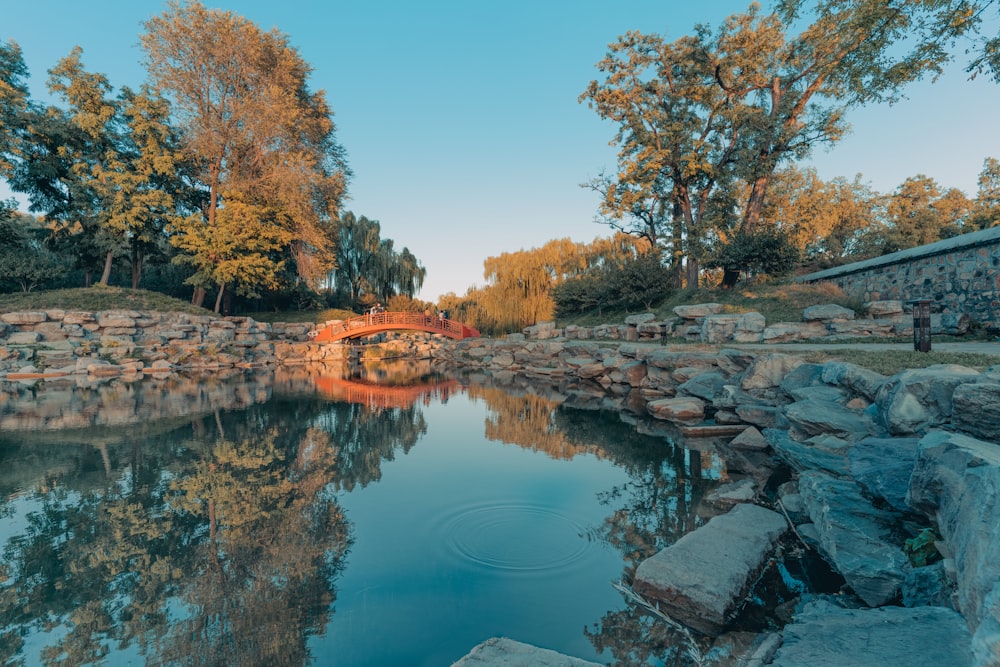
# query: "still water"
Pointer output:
{"type": "Point", "coordinates": [313, 520]}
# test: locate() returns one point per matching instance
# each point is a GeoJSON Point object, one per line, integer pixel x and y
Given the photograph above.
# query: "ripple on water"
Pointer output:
{"type": "Point", "coordinates": [515, 537]}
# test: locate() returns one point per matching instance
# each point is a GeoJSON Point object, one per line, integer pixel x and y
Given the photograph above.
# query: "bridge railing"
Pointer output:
{"type": "Point", "coordinates": [397, 320]}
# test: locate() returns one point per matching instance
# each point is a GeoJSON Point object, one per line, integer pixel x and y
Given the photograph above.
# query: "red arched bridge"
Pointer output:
{"type": "Point", "coordinates": [373, 323]}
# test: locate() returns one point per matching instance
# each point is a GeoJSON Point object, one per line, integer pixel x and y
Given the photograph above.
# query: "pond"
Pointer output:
{"type": "Point", "coordinates": [383, 518]}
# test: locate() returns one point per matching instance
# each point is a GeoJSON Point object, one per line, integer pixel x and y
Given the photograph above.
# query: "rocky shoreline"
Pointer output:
{"type": "Point", "coordinates": [872, 456]}
{"type": "Point", "coordinates": [877, 460]}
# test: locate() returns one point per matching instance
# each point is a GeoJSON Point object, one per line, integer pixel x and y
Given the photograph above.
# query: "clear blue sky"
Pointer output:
{"type": "Point", "coordinates": [460, 118]}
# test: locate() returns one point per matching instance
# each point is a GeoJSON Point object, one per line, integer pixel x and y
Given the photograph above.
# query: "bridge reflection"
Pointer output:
{"type": "Point", "coordinates": [382, 396]}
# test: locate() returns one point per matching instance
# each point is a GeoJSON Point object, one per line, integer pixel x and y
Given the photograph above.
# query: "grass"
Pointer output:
{"type": "Point", "coordinates": [97, 298]}
{"type": "Point", "coordinates": [315, 316]}
{"type": "Point", "coordinates": [890, 362]}
{"type": "Point", "coordinates": [776, 302]}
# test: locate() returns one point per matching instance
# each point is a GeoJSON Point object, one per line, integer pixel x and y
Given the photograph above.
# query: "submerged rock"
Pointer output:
{"type": "Point", "coordinates": [500, 651]}
{"type": "Point", "coordinates": [701, 579]}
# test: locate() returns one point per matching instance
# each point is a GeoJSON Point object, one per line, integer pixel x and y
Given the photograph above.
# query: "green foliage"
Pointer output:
{"type": "Point", "coordinates": [766, 251]}
{"type": "Point", "coordinates": [921, 549]}
{"type": "Point", "coordinates": [24, 261]}
{"type": "Point", "coordinates": [629, 284]}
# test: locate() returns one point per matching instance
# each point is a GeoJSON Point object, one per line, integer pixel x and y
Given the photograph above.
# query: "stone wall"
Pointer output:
{"type": "Point", "coordinates": [961, 275]}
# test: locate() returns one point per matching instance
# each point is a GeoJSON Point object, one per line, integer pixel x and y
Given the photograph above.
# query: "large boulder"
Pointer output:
{"type": "Point", "coordinates": [915, 400]}
{"type": "Point", "coordinates": [882, 466]}
{"type": "Point", "coordinates": [856, 379]}
{"type": "Point", "coordinates": [697, 311]}
{"type": "Point", "coordinates": [742, 328]}
{"type": "Point", "coordinates": [827, 311]}
{"type": "Point", "coordinates": [956, 482]}
{"type": "Point", "coordinates": [768, 371]}
{"type": "Point", "coordinates": [701, 578]}
{"type": "Point", "coordinates": [783, 332]}
{"type": "Point", "coordinates": [855, 536]}
{"type": "Point", "coordinates": [822, 417]}
{"type": "Point", "coordinates": [682, 410]}
{"type": "Point", "coordinates": [976, 409]}
{"type": "Point", "coordinates": [826, 634]}
{"type": "Point", "coordinates": [828, 454]}
{"type": "Point", "coordinates": [704, 385]}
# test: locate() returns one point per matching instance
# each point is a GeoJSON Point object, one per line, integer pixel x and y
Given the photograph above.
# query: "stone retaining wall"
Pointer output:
{"type": "Point", "coordinates": [961, 275]}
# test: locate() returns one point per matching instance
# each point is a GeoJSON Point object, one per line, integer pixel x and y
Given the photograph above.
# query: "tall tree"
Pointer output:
{"type": "Point", "coordinates": [261, 137]}
{"type": "Point", "coordinates": [920, 213]}
{"type": "Point", "coordinates": [986, 209]}
{"type": "Point", "coordinates": [754, 97]}
{"type": "Point", "coordinates": [14, 103]}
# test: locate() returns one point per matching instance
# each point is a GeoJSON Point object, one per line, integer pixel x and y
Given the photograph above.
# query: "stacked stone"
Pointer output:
{"type": "Point", "coordinates": [55, 343]}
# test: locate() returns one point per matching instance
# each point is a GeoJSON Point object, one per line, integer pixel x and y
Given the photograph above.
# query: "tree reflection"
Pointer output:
{"type": "Point", "coordinates": [218, 542]}
{"type": "Point", "coordinates": [655, 507]}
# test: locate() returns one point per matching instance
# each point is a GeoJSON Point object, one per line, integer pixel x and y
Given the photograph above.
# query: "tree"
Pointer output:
{"type": "Point", "coordinates": [94, 117]}
{"type": "Point", "coordinates": [260, 136]}
{"type": "Point", "coordinates": [368, 267]}
{"type": "Point", "coordinates": [986, 208]}
{"type": "Point", "coordinates": [919, 213]}
{"type": "Point", "coordinates": [710, 109]}
{"type": "Point", "coordinates": [14, 104]}
{"type": "Point", "coordinates": [819, 218]}
{"type": "Point", "coordinates": [24, 260]}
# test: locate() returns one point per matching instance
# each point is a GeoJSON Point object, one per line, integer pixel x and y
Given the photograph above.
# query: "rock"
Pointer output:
{"type": "Point", "coordinates": [827, 311]}
{"type": "Point", "coordinates": [915, 400]}
{"type": "Point", "coordinates": [751, 439]}
{"type": "Point", "coordinates": [697, 311]}
{"type": "Point", "coordinates": [641, 318]}
{"type": "Point", "coordinates": [802, 376]}
{"type": "Point", "coordinates": [819, 417]}
{"type": "Point", "coordinates": [683, 409]}
{"type": "Point", "coordinates": [726, 496]}
{"type": "Point", "coordinates": [742, 328]}
{"type": "Point", "coordinates": [950, 324]}
{"type": "Point", "coordinates": [956, 483]}
{"type": "Point", "coordinates": [783, 332]}
{"type": "Point", "coordinates": [823, 393]}
{"type": "Point", "coordinates": [928, 586]}
{"type": "Point", "coordinates": [855, 537]}
{"type": "Point", "coordinates": [882, 466]}
{"type": "Point", "coordinates": [762, 416]}
{"type": "Point", "coordinates": [503, 652]}
{"type": "Point", "coordinates": [768, 371]}
{"type": "Point", "coordinates": [701, 578]}
{"type": "Point", "coordinates": [26, 317]}
{"type": "Point", "coordinates": [976, 409]}
{"type": "Point", "coordinates": [808, 456]}
{"type": "Point", "coordinates": [24, 338]}
{"type": "Point", "coordinates": [704, 385]}
{"type": "Point", "coordinates": [884, 309]}
{"type": "Point", "coordinates": [854, 378]}
{"type": "Point", "coordinates": [826, 634]}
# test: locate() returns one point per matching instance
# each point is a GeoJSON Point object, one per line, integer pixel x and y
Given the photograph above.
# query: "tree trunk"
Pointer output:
{"type": "Point", "coordinates": [86, 278]}
{"type": "Point", "coordinates": [218, 299]}
{"type": "Point", "coordinates": [692, 273]}
{"type": "Point", "coordinates": [198, 297]}
{"type": "Point", "coordinates": [730, 277]}
{"type": "Point", "coordinates": [136, 268]}
{"type": "Point", "coordinates": [106, 276]}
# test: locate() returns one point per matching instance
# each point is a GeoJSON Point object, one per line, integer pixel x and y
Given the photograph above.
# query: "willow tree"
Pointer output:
{"type": "Point", "coordinates": [260, 135]}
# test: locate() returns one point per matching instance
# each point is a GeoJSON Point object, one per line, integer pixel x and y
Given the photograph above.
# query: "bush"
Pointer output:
{"type": "Point", "coordinates": [636, 283]}
{"type": "Point", "coordinates": [766, 251]}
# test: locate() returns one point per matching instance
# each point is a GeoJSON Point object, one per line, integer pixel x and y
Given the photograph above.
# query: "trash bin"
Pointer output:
{"type": "Point", "coordinates": [921, 325]}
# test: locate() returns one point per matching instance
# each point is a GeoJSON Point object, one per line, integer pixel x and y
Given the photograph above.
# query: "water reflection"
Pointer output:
{"type": "Point", "coordinates": [216, 521]}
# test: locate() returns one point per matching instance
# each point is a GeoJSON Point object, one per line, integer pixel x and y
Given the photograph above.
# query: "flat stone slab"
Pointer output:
{"type": "Point", "coordinates": [825, 634]}
{"type": "Point", "coordinates": [509, 653]}
{"type": "Point", "coordinates": [700, 579]}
